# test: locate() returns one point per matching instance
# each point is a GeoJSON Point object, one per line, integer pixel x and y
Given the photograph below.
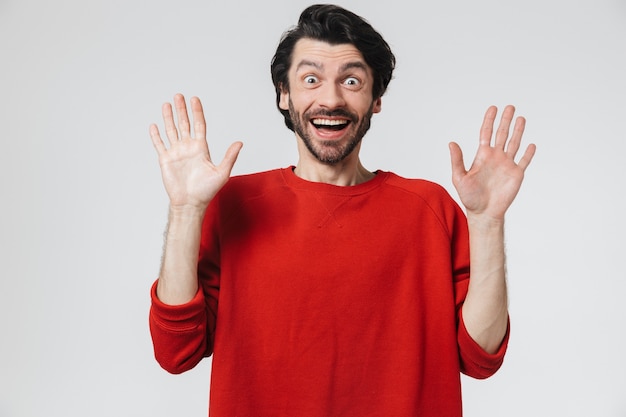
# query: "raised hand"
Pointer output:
{"type": "Point", "coordinates": [494, 179]}
{"type": "Point", "coordinates": [190, 177]}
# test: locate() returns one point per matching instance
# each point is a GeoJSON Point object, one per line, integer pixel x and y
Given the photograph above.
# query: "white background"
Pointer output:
{"type": "Point", "coordinates": [83, 208]}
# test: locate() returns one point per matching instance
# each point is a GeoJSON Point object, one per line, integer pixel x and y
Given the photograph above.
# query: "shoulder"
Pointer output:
{"type": "Point", "coordinates": [420, 188]}
{"type": "Point", "coordinates": [255, 183]}
{"type": "Point", "coordinates": [245, 188]}
{"type": "Point", "coordinates": [428, 197]}
{"type": "Point", "coordinates": [270, 176]}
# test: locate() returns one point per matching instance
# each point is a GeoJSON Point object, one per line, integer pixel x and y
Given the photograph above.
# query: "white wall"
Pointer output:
{"type": "Point", "coordinates": [83, 208]}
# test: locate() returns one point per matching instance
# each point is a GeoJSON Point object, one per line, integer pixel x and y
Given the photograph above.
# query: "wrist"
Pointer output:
{"type": "Point", "coordinates": [186, 211]}
{"type": "Point", "coordinates": [482, 221]}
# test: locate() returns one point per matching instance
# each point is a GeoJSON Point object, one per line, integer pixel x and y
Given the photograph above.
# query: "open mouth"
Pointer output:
{"type": "Point", "coordinates": [330, 124]}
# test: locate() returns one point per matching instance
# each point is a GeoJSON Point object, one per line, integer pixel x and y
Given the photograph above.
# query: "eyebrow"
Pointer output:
{"type": "Point", "coordinates": [319, 66]}
{"type": "Point", "coordinates": [307, 63]}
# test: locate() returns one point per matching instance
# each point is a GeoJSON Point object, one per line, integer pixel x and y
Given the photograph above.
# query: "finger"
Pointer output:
{"type": "Point", "coordinates": [170, 126]}
{"type": "Point", "coordinates": [199, 124]}
{"type": "Point", "coordinates": [486, 130]}
{"type": "Point", "coordinates": [183, 118]}
{"type": "Point", "coordinates": [503, 129]}
{"type": "Point", "coordinates": [516, 138]}
{"type": "Point", "coordinates": [231, 157]}
{"type": "Point", "coordinates": [157, 142]}
{"type": "Point", "coordinates": [527, 157]}
{"type": "Point", "coordinates": [456, 158]}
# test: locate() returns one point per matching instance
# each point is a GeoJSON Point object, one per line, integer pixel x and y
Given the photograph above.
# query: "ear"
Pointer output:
{"type": "Point", "coordinates": [377, 107]}
{"type": "Point", "coordinates": [283, 103]}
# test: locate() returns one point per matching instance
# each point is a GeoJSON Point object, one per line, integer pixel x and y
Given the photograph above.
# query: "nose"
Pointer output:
{"type": "Point", "coordinates": [331, 96]}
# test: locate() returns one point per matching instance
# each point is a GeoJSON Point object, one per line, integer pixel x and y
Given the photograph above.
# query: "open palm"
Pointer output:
{"type": "Point", "coordinates": [494, 179]}
{"type": "Point", "coordinates": [189, 175]}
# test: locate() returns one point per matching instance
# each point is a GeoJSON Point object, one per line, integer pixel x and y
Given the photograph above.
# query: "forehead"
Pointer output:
{"type": "Point", "coordinates": [312, 52]}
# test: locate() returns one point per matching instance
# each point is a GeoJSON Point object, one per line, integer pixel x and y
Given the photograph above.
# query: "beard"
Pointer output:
{"type": "Point", "coordinates": [330, 152]}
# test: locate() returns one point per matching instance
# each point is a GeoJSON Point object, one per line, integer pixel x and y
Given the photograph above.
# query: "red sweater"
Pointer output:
{"type": "Point", "coordinates": [320, 301]}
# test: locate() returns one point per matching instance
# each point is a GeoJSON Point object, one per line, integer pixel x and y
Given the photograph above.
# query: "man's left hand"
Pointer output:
{"type": "Point", "coordinates": [494, 179]}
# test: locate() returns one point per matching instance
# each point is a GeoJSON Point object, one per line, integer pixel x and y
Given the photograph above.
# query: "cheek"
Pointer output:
{"type": "Point", "coordinates": [300, 100]}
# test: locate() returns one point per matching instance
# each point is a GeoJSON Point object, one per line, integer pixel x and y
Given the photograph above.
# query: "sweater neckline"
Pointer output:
{"type": "Point", "coordinates": [292, 180]}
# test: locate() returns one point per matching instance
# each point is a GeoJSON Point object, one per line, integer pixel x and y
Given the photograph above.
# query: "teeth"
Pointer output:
{"type": "Point", "coordinates": [327, 122]}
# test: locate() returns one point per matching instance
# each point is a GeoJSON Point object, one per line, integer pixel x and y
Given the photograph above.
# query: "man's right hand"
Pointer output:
{"type": "Point", "coordinates": [191, 179]}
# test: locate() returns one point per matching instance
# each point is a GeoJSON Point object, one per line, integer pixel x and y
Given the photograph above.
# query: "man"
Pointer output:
{"type": "Point", "coordinates": [326, 289]}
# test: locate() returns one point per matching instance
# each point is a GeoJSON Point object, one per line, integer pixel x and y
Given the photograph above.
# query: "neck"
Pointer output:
{"type": "Point", "coordinates": [345, 173]}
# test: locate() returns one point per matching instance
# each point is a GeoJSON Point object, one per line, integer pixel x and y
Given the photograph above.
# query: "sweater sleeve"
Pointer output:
{"type": "Point", "coordinates": [475, 361]}
{"type": "Point", "coordinates": [179, 333]}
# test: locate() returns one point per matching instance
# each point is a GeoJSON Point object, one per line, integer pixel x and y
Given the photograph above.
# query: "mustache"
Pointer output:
{"type": "Point", "coordinates": [332, 113]}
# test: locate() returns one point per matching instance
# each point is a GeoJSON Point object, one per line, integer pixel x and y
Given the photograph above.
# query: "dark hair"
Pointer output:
{"type": "Point", "coordinates": [335, 25]}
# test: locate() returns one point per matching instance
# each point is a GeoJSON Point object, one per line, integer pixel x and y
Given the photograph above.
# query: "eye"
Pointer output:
{"type": "Point", "coordinates": [310, 79]}
{"type": "Point", "coordinates": [352, 82]}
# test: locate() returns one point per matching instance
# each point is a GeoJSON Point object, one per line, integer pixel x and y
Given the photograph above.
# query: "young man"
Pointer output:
{"type": "Point", "coordinates": [326, 289]}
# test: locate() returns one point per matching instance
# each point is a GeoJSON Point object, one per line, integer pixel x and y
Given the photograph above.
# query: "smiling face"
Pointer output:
{"type": "Point", "coordinates": [329, 98]}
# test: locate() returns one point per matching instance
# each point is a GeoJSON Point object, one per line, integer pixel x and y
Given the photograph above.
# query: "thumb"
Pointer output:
{"type": "Point", "coordinates": [456, 158]}
{"type": "Point", "coordinates": [231, 156]}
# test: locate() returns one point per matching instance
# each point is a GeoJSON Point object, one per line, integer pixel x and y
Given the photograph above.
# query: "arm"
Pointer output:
{"type": "Point", "coordinates": [191, 181]}
{"type": "Point", "coordinates": [487, 190]}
